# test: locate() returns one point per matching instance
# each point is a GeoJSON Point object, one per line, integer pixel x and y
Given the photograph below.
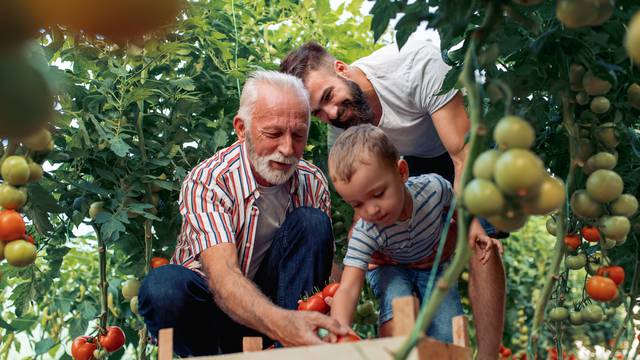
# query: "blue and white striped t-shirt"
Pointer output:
{"type": "Point", "coordinates": [408, 241]}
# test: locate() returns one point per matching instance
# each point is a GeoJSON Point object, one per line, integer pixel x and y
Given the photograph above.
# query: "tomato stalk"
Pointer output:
{"type": "Point", "coordinates": [7, 344]}
{"type": "Point", "coordinates": [560, 247]}
{"type": "Point", "coordinates": [634, 293]}
{"type": "Point", "coordinates": [478, 133]}
{"type": "Point", "coordinates": [104, 285]}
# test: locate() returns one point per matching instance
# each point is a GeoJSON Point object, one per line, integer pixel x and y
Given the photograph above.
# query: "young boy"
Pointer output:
{"type": "Point", "coordinates": [401, 220]}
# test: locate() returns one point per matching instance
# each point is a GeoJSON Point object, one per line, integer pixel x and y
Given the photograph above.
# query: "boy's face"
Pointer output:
{"type": "Point", "coordinates": [377, 192]}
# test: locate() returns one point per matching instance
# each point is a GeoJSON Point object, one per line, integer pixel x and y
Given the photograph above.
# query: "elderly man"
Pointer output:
{"type": "Point", "coordinates": [398, 91]}
{"type": "Point", "coordinates": [256, 233]}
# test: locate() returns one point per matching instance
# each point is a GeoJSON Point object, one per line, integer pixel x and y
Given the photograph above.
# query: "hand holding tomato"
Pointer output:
{"type": "Point", "coordinates": [298, 328]}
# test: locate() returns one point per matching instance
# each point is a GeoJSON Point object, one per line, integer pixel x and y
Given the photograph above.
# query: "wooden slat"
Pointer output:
{"type": "Point", "coordinates": [251, 343]}
{"type": "Point", "coordinates": [404, 315]}
{"type": "Point", "coordinates": [381, 349]}
{"type": "Point", "coordinates": [165, 344]}
{"type": "Point", "coordinates": [460, 331]}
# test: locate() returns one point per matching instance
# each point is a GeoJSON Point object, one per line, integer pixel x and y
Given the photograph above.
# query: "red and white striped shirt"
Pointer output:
{"type": "Point", "coordinates": [218, 204]}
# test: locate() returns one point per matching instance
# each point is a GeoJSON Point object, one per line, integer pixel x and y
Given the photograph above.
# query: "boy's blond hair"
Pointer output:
{"type": "Point", "coordinates": [360, 145]}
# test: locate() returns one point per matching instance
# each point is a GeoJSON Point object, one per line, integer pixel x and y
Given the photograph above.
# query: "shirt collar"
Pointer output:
{"type": "Point", "coordinates": [247, 173]}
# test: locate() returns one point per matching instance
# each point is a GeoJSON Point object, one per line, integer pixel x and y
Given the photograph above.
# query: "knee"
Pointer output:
{"type": "Point", "coordinates": [163, 290]}
{"type": "Point", "coordinates": [315, 224]}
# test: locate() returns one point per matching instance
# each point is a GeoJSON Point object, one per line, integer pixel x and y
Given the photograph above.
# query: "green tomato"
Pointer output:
{"type": "Point", "coordinates": [481, 197]}
{"type": "Point", "coordinates": [604, 185]}
{"type": "Point", "coordinates": [12, 198]}
{"type": "Point", "coordinates": [519, 172]}
{"type": "Point", "coordinates": [485, 163]}
{"type": "Point", "coordinates": [584, 206]}
{"type": "Point", "coordinates": [575, 318]}
{"type": "Point", "coordinates": [615, 227]}
{"type": "Point", "coordinates": [559, 313]}
{"type": "Point", "coordinates": [130, 289]}
{"type": "Point", "coordinates": [15, 170]}
{"type": "Point", "coordinates": [96, 208]}
{"type": "Point", "coordinates": [20, 253]}
{"type": "Point", "coordinates": [514, 132]}
{"type": "Point", "coordinates": [552, 227]}
{"type": "Point", "coordinates": [625, 205]}
{"type": "Point", "coordinates": [575, 262]}
{"type": "Point", "coordinates": [592, 313]}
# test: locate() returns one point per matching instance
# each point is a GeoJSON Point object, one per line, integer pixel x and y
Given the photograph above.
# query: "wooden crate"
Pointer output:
{"type": "Point", "coordinates": [404, 320]}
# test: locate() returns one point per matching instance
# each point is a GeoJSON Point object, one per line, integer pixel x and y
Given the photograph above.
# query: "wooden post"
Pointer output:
{"type": "Point", "coordinates": [165, 344]}
{"type": "Point", "coordinates": [404, 315]}
{"type": "Point", "coordinates": [460, 331]}
{"type": "Point", "coordinates": [251, 343]}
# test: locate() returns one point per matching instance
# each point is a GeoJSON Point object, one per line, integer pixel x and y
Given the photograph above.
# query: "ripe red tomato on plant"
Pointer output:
{"type": "Point", "coordinates": [572, 241]}
{"type": "Point", "coordinates": [158, 261]}
{"type": "Point", "coordinates": [11, 225]}
{"type": "Point", "coordinates": [82, 348]}
{"type": "Point", "coordinates": [330, 290]}
{"type": "Point", "coordinates": [348, 338]}
{"type": "Point", "coordinates": [590, 233]}
{"type": "Point", "coordinates": [113, 340]}
{"type": "Point", "coordinates": [615, 273]}
{"type": "Point", "coordinates": [314, 303]}
{"type": "Point", "coordinates": [601, 288]}
{"type": "Point", "coordinates": [29, 238]}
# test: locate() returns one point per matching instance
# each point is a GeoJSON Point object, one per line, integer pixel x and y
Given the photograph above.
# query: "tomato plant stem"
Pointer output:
{"type": "Point", "coordinates": [102, 254]}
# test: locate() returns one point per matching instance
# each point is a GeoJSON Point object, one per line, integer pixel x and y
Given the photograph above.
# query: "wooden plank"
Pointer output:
{"type": "Point", "coordinates": [165, 344]}
{"type": "Point", "coordinates": [461, 331]}
{"type": "Point", "coordinates": [381, 349]}
{"type": "Point", "coordinates": [251, 343]}
{"type": "Point", "coordinates": [430, 349]}
{"type": "Point", "coordinates": [404, 315]}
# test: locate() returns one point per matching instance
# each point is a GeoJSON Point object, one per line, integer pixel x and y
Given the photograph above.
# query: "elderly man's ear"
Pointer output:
{"type": "Point", "coordinates": [239, 126]}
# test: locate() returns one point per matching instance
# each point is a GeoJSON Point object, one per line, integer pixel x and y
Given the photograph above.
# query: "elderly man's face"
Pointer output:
{"type": "Point", "coordinates": [277, 135]}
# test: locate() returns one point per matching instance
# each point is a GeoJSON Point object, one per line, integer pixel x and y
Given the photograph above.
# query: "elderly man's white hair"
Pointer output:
{"type": "Point", "coordinates": [277, 81]}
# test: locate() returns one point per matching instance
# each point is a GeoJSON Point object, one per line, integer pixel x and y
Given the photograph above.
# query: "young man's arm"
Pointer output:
{"type": "Point", "coordinates": [239, 297]}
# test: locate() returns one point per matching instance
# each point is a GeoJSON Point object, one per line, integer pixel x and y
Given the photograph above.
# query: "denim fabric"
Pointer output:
{"type": "Point", "coordinates": [173, 296]}
{"type": "Point", "coordinates": [390, 282]}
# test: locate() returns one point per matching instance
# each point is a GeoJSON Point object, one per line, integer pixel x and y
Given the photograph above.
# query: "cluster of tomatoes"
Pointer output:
{"type": "Point", "coordinates": [510, 183]}
{"type": "Point", "coordinates": [316, 302]}
{"type": "Point", "coordinates": [17, 170]}
{"type": "Point", "coordinates": [90, 348]}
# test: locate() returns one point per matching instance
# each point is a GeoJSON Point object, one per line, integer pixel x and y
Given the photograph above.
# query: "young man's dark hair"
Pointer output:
{"type": "Point", "coordinates": [308, 57]}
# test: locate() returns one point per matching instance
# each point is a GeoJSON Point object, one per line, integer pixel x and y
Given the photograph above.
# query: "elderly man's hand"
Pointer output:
{"type": "Point", "coordinates": [481, 243]}
{"type": "Point", "coordinates": [298, 328]}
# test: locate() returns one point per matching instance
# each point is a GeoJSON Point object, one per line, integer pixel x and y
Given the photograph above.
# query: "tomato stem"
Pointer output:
{"type": "Point", "coordinates": [104, 285]}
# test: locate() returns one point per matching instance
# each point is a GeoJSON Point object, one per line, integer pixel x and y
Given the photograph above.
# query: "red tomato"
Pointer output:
{"type": "Point", "coordinates": [615, 273]}
{"type": "Point", "coordinates": [314, 303]}
{"type": "Point", "coordinates": [158, 261]}
{"type": "Point", "coordinates": [348, 338]}
{"type": "Point", "coordinates": [330, 290]}
{"type": "Point", "coordinates": [11, 225]}
{"type": "Point", "coordinates": [82, 348]}
{"type": "Point", "coordinates": [29, 238]}
{"type": "Point", "coordinates": [113, 340]}
{"type": "Point", "coordinates": [590, 233]}
{"type": "Point", "coordinates": [572, 241]}
{"type": "Point", "coordinates": [506, 352]}
{"type": "Point", "coordinates": [601, 288]}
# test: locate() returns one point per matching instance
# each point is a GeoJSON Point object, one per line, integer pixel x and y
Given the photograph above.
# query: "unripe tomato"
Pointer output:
{"type": "Point", "coordinates": [625, 205]}
{"type": "Point", "coordinates": [633, 95]}
{"type": "Point", "coordinates": [35, 172]}
{"type": "Point", "coordinates": [509, 222]}
{"type": "Point", "coordinates": [513, 132]}
{"type": "Point", "coordinates": [615, 273]}
{"type": "Point", "coordinates": [575, 262]}
{"type": "Point", "coordinates": [590, 233]}
{"type": "Point", "coordinates": [158, 261]}
{"type": "Point", "coordinates": [604, 185]}
{"type": "Point", "coordinates": [615, 227]}
{"type": "Point", "coordinates": [550, 197]}
{"type": "Point", "coordinates": [481, 197]}
{"type": "Point", "coordinates": [584, 206]}
{"type": "Point", "coordinates": [602, 160]}
{"type": "Point", "coordinates": [594, 85]}
{"type": "Point", "coordinates": [552, 227]}
{"type": "Point", "coordinates": [134, 305]}
{"type": "Point", "coordinates": [130, 288]}
{"type": "Point", "coordinates": [592, 313]}
{"type": "Point", "coordinates": [601, 288]}
{"type": "Point", "coordinates": [82, 348]}
{"type": "Point", "coordinates": [20, 253]}
{"type": "Point", "coordinates": [519, 172]}
{"type": "Point", "coordinates": [484, 164]}
{"type": "Point", "coordinates": [15, 170]}
{"type": "Point", "coordinates": [38, 141]}
{"type": "Point", "coordinates": [11, 225]}
{"type": "Point", "coordinates": [575, 318]}
{"type": "Point", "coordinates": [113, 340]}
{"type": "Point", "coordinates": [572, 241]}
{"type": "Point", "coordinates": [96, 208]}
{"type": "Point", "coordinates": [576, 13]}
{"type": "Point", "coordinates": [632, 40]}
{"type": "Point", "coordinates": [12, 198]}
{"type": "Point", "coordinates": [606, 134]}
{"type": "Point", "coordinates": [559, 313]}
{"type": "Point", "coordinates": [600, 105]}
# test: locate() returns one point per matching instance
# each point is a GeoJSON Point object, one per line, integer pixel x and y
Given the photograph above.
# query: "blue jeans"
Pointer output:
{"type": "Point", "coordinates": [390, 282]}
{"type": "Point", "coordinates": [173, 296]}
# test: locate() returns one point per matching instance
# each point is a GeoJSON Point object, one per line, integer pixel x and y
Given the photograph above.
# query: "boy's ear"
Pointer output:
{"type": "Point", "coordinates": [403, 169]}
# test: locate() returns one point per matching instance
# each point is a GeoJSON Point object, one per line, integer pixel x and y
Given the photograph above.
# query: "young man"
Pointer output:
{"type": "Point", "coordinates": [397, 91]}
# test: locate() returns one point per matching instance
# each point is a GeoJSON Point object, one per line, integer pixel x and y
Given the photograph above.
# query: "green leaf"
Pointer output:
{"type": "Point", "coordinates": [77, 327]}
{"type": "Point", "coordinates": [184, 83]}
{"type": "Point", "coordinates": [220, 139]}
{"type": "Point", "coordinates": [87, 310]}
{"type": "Point", "coordinates": [43, 346]}
{"type": "Point", "coordinates": [24, 323]}
{"type": "Point", "coordinates": [119, 146]}
{"type": "Point", "coordinates": [111, 229]}
{"type": "Point", "coordinates": [42, 199]}
{"type": "Point", "coordinates": [383, 11]}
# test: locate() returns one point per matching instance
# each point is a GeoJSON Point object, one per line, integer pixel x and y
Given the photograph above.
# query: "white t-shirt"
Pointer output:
{"type": "Point", "coordinates": [407, 82]}
{"type": "Point", "coordinates": [272, 204]}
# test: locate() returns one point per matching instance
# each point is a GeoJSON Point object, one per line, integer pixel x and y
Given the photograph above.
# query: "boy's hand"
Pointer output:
{"type": "Point", "coordinates": [480, 240]}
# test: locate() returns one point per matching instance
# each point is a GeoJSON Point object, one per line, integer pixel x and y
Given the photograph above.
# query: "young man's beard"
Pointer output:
{"type": "Point", "coordinates": [261, 166]}
{"type": "Point", "coordinates": [361, 112]}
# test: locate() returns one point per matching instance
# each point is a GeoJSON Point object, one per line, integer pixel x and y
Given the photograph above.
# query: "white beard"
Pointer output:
{"type": "Point", "coordinates": [261, 165]}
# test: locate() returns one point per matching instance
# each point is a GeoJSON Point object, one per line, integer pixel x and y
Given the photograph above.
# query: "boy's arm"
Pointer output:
{"type": "Point", "coordinates": [346, 298]}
